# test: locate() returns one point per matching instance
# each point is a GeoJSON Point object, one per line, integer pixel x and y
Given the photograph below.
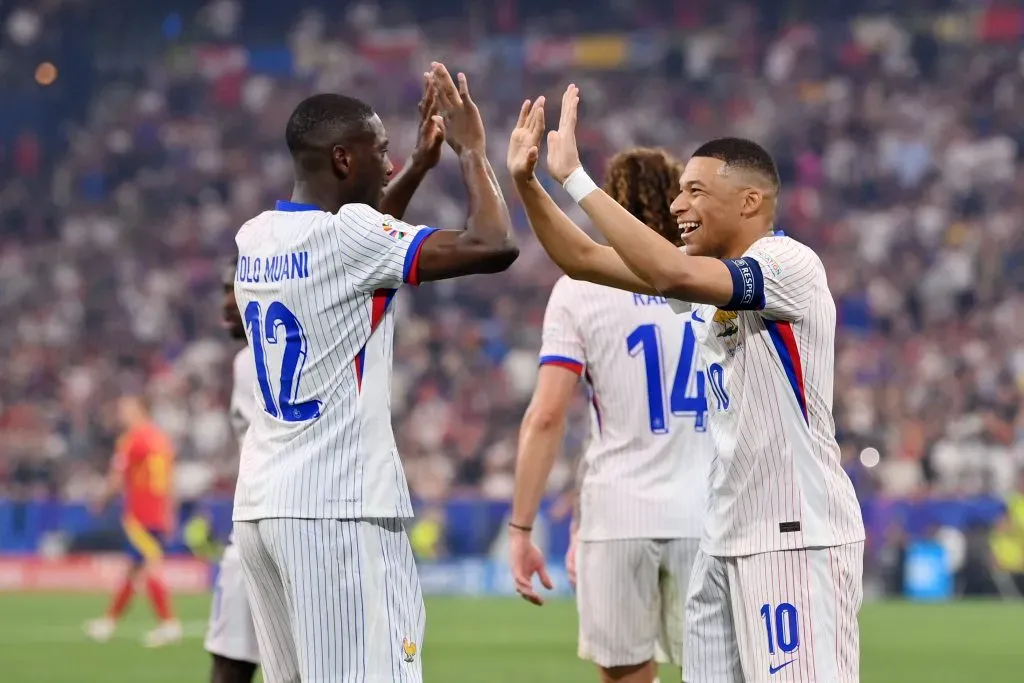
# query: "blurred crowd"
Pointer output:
{"type": "Point", "coordinates": [126, 177]}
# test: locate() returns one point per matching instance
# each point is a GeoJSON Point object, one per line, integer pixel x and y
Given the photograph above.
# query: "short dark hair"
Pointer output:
{"type": "Point", "coordinates": [742, 154]}
{"type": "Point", "coordinates": [321, 119]}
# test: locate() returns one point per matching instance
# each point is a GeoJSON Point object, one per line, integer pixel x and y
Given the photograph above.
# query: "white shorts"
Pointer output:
{"type": "Point", "coordinates": [779, 617]}
{"type": "Point", "coordinates": [230, 632]}
{"type": "Point", "coordinates": [334, 601]}
{"type": "Point", "coordinates": [630, 595]}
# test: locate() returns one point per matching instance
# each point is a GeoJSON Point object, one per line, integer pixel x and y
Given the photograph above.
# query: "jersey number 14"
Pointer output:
{"type": "Point", "coordinates": [687, 396]}
{"type": "Point", "coordinates": [280, 324]}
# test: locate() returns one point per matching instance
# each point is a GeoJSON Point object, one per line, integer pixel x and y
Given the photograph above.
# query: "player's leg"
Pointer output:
{"type": "Point", "coordinates": [147, 545]}
{"type": "Point", "coordinates": [619, 605]}
{"type": "Point", "coordinates": [230, 634]}
{"type": "Point", "coordinates": [102, 629]}
{"type": "Point", "coordinates": [269, 600]}
{"type": "Point", "coordinates": [711, 653]}
{"type": "Point", "coordinates": [226, 670]}
{"type": "Point", "coordinates": [356, 604]}
{"type": "Point", "coordinates": [796, 614]}
{"type": "Point", "coordinates": [677, 559]}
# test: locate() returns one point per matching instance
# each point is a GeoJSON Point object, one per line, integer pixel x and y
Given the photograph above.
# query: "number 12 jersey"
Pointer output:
{"type": "Point", "coordinates": [316, 291]}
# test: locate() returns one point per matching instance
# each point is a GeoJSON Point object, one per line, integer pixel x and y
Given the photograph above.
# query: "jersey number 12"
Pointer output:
{"type": "Point", "coordinates": [283, 404]}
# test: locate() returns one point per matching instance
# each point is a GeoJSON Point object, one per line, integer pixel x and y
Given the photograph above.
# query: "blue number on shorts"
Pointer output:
{"type": "Point", "coordinates": [786, 633]}
{"type": "Point", "coordinates": [646, 339]}
{"type": "Point", "coordinates": [279, 319]}
{"type": "Point", "coordinates": [717, 374]}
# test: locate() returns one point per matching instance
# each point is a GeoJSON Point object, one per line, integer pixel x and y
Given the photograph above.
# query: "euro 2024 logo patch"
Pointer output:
{"type": "Point", "coordinates": [390, 229]}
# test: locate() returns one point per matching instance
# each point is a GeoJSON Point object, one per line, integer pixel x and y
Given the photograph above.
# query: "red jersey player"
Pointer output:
{"type": "Point", "coordinates": [141, 472]}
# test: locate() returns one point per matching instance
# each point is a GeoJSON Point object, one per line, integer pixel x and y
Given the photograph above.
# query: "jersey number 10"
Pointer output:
{"type": "Point", "coordinates": [284, 403]}
{"type": "Point", "coordinates": [688, 396]}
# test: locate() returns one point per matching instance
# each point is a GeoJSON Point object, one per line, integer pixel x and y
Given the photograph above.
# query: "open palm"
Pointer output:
{"type": "Point", "coordinates": [524, 145]}
{"type": "Point", "coordinates": [563, 155]}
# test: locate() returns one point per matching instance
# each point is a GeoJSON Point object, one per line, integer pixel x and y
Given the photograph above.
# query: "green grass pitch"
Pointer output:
{"type": "Point", "coordinates": [497, 641]}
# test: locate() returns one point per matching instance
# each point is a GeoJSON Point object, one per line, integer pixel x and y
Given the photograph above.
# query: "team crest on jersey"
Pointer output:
{"type": "Point", "coordinates": [409, 650]}
{"type": "Point", "coordinates": [727, 319]}
{"type": "Point", "coordinates": [389, 228]}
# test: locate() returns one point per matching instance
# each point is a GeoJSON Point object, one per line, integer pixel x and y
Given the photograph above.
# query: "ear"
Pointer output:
{"type": "Point", "coordinates": [752, 201]}
{"type": "Point", "coordinates": [341, 160]}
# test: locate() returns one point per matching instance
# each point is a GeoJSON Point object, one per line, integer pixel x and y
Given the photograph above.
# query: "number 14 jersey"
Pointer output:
{"type": "Point", "coordinates": [316, 291]}
{"type": "Point", "coordinates": [646, 465]}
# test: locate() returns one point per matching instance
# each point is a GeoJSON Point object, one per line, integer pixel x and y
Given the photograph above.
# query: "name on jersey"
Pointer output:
{"type": "Point", "coordinates": [647, 300]}
{"type": "Point", "coordinates": [291, 266]}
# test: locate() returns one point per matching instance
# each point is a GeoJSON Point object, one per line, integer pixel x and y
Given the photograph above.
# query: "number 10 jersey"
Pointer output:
{"type": "Point", "coordinates": [316, 291]}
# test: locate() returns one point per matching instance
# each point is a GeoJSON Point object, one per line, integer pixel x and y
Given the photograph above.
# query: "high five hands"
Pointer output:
{"type": "Point", "coordinates": [524, 144]}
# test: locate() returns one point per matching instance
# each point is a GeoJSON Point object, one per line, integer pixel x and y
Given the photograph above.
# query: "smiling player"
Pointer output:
{"type": "Point", "coordinates": [777, 585]}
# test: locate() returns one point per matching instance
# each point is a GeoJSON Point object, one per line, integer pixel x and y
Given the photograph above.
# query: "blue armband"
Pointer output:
{"type": "Point", "coordinates": [747, 285]}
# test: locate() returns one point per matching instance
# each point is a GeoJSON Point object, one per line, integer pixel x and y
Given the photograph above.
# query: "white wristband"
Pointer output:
{"type": "Point", "coordinates": [579, 185]}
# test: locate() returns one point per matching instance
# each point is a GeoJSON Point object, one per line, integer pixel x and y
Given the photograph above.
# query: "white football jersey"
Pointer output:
{"type": "Point", "coordinates": [243, 398]}
{"type": "Point", "coordinates": [243, 392]}
{"type": "Point", "coordinates": [648, 458]}
{"type": "Point", "coordinates": [777, 482]}
{"type": "Point", "coordinates": [316, 290]}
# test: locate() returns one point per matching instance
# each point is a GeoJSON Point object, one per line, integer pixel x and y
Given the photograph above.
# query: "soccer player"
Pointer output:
{"type": "Point", "coordinates": [776, 586]}
{"type": "Point", "coordinates": [643, 490]}
{"type": "Point", "coordinates": [230, 634]}
{"type": "Point", "coordinates": [141, 472]}
{"type": "Point", "coordinates": [322, 497]}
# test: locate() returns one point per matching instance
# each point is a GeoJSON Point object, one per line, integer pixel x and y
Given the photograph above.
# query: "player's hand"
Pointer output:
{"type": "Point", "coordinates": [563, 156]}
{"type": "Point", "coordinates": [524, 145]}
{"type": "Point", "coordinates": [464, 129]}
{"type": "Point", "coordinates": [570, 560]}
{"type": "Point", "coordinates": [527, 560]}
{"type": "Point", "coordinates": [430, 140]}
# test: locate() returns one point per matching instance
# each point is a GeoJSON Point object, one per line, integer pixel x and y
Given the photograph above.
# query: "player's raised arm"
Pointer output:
{"type": "Point", "coordinates": [429, 144]}
{"type": "Point", "coordinates": [580, 257]}
{"type": "Point", "coordinates": [487, 244]}
{"type": "Point", "coordinates": [648, 255]}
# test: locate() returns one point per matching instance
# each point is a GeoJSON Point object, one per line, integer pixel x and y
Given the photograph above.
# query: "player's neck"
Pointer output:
{"type": "Point", "coordinates": [747, 238]}
{"type": "Point", "coordinates": [308, 192]}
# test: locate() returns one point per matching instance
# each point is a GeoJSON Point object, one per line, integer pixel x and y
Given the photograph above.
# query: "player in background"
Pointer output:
{"type": "Point", "coordinates": [777, 583]}
{"type": "Point", "coordinates": [230, 636]}
{"type": "Point", "coordinates": [322, 498]}
{"type": "Point", "coordinates": [142, 473]}
{"type": "Point", "coordinates": [643, 490]}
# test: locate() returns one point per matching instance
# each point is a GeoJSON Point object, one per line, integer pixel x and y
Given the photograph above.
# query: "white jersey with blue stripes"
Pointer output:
{"type": "Point", "coordinates": [647, 462]}
{"type": "Point", "coordinates": [316, 292]}
{"type": "Point", "coordinates": [769, 356]}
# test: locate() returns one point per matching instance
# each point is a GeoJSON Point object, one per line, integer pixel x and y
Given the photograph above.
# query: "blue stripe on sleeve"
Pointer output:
{"type": "Point", "coordinates": [747, 285]}
{"type": "Point", "coordinates": [414, 250]}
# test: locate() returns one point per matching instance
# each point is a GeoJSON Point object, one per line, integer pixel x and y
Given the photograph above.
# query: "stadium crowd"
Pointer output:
{"type": "Point", "coordinates": [901, 165]}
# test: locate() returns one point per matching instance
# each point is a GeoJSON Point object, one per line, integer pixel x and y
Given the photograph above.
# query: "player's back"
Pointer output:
{"type": "Point", "coordinates": [315, 291]}
{"type": "Point", "coordinates": [648, 458]}
{"type": "Point", "coordinates": [777, 479]}
{"type": "Point", "coordinates": [146, 457]}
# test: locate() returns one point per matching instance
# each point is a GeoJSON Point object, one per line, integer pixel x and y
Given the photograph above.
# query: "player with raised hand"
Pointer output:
{"type": "Point", "coordinates": [322, 497]}
{"type": "Point", "coordinates": [230, 635]}
{"type": "Point", "coordinates": [777, 585]}
{"type": "Point", "coordinates": [644, 483]}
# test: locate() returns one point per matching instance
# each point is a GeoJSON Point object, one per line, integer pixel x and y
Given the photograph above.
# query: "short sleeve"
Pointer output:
{"type": "Point", "coordinates": [562, 344]}
{"type": "Point", "coordinates": [378, 251]}
{"type": "Point", "coordinates": [777, 276]}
